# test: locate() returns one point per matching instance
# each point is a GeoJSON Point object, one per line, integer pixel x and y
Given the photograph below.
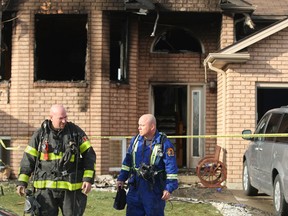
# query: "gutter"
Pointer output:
{"type": "Point", "coordinates": [216, 62]}
{"type": "Point", "coordinates": [220, 71]}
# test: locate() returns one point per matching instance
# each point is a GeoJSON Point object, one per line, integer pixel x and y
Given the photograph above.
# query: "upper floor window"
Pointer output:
{"type": "Point", "coordinates": [245, 26]}
{"type": "Point", "coordinates": [60, 47]}
{"type": "Point", "coordinates": [176, 40]}
{"type": "Point", "coordinates": [119, 39]}
{"type": "Point", "coordinates": [6, 45]}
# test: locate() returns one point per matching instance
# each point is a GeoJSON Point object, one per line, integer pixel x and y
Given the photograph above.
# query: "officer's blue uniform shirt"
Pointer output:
{"type": "Point", "coordinates": [142, 155]}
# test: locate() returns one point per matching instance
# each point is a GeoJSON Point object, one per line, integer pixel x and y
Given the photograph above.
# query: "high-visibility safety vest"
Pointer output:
{"type": "Point", "coordinates": [157, 152]}
{"type": "Point", "coordinates": [167, 163]}
{"type": "Point", "coordinates": [44, 157]}
{"type": "Point", "coordinates": [129, 163]}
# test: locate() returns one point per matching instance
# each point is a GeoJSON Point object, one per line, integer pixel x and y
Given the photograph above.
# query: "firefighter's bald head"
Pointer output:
{"type": "Point", "coordinates": [58, 116]}
{"type": "Point", "coordinates": [147, 126]}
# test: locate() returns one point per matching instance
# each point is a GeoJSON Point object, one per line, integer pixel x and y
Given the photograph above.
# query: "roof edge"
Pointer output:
{"type": "Point", "coordinates": [219, 60]}
{"type": "Point", "coordinates": [245, 42]}
{"type": "Point", "coordinates": [237, 6]}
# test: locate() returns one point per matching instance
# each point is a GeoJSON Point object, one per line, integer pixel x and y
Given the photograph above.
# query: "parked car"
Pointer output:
{"type": "Point", "coordinates": [265, 162]}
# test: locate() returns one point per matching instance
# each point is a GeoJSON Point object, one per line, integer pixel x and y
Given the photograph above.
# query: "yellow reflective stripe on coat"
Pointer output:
{"type": "Point", "coordinates": [88, 173]}
{"type": "Point", "coordinates": [84, 146]}
{"type": "Point", "coordinates": [53, 156]}
{"type": "Point", "coordinates": [172, 176]}
{"type": "Point", "coordinates": [32, 151]}
{"type": "Point", "coordinates": [23, 178]}
{"type": "Point", "coordinates": [126, 168]}
{"type": "Point", "coordinates": [57, 184]}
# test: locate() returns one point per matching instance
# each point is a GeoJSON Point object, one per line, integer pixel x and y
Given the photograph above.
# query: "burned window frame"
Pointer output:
{"type": "Point", "coordinates": [242, 29]}
{"type": "Point", "coordinates": [172, 34]}
{"type": "Point", "coordinates": [119, 46]}
{"type": "Point", "coordinates": [8, 18]}
{"type": "Point", "coordinates": [64, 58]}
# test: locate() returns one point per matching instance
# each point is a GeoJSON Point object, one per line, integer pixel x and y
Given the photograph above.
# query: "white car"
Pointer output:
{"type": "Point", "coordinates": [265, 162]}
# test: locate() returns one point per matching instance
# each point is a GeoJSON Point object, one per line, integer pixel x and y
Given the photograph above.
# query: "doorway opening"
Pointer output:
{"type": "Point", "coordinates": [170, 110]}
{"type": "Point", "coordinates": [180, 110]}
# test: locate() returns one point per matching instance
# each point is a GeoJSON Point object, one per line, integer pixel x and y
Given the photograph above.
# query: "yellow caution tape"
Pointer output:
{"type": "Point", "coordinates": [111, 137]}
{"type": "Point", "coordinates": [201, 136]}
{"type": "Point", "coordinates": [176, 136]}
{"type": "Point", "coordinates": [232, 135]}
{"type": "Point", "coordinates": [2, 162]}
{"type": "Point", "coordinates": [8, 148]}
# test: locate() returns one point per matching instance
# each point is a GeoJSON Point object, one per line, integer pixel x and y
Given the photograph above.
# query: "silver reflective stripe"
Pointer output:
{"type": "Point", "coordinates": [135, 146]}
{"type": "Point", "coordinates": [172, 176]}
{"type": "Point", "coordinates": [154, 153]}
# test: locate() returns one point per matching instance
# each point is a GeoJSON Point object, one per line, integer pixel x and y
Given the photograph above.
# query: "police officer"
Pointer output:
{"type": "Point", "coordinates": [150, 165]}
{"type": "Point", "coordinates": [63, 162]}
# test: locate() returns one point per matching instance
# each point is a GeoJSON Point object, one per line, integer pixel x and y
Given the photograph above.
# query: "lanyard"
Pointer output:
{"type": "Point", "coordinates": [143, 148]}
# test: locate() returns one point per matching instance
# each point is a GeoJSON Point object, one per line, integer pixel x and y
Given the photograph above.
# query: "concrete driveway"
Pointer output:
{"type": "Point", "coordinates": [262, 201]}
{"type": "Point", "coordinates": [189, 187]}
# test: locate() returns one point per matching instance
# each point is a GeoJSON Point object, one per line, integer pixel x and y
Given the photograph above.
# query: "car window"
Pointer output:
{"type": "Point", "coordinates": [273, 125]}
{"type": "Point", "coordinates": [283, 129]}
{"type": "Point", "coordinates": [260, 129]}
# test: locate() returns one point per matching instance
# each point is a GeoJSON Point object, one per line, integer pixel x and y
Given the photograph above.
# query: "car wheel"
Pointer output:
{"type": "Point", "coordinates": [248, 189]}
{"type": "Point", "coordinates": [280, 205]}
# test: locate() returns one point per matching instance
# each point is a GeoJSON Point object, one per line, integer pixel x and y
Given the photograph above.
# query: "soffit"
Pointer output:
{"type": "Point", "coordinates": [221, 58]}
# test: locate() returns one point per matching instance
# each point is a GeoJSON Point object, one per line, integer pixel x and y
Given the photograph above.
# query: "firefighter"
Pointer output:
{"type": "Point", "coordinates": [151, 169]}
{"type": "Point", "coordinates": [61, 163]}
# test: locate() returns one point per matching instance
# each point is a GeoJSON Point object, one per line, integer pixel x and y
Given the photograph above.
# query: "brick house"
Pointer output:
{"type": "Point", "coordinates": [201, 66]}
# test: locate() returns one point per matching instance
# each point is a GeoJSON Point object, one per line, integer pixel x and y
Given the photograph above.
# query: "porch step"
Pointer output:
{"type": "Point", "coordinates": [188, 179]}
{"type": "Point", "coordinates": [188, 176]}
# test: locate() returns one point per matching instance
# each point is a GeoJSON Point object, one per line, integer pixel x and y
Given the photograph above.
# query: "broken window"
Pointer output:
{"type": "Point", "coordinates": [119, 30]}
{"type": "Point", "coordinates": [243, 27]}
{"type": "Point", "coordinates": [6, 45]}
{"type": "Point", "coordinates": [60, 49]}
{"type": "Point", "coordinates": [176, 40]}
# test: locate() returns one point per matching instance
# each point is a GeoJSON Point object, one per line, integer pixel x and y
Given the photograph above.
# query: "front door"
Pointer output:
{"type": "Point", "coordinates": [179, 112]}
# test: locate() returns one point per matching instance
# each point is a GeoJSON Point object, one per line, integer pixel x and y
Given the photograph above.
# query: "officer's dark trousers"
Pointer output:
{"type": "Point", "coordinates": [71, 203]}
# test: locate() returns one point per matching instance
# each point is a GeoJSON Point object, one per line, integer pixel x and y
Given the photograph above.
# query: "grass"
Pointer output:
{"type": "Point", "coordinates": [101, 203]}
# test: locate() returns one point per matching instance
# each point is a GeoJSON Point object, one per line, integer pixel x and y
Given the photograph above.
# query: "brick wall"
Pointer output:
{"type": "Point", "coordinates": [186, 69]}
{"type": "Point", "coordinates": [98, 106]}
{"type": "Point", "coordinates": [227, 32]}
{"type": "Point", "coordinates": [267, 65]}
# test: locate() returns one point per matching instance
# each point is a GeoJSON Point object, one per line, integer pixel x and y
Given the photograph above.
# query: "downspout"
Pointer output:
{"type": "Point", "coordinates": [219, 71]}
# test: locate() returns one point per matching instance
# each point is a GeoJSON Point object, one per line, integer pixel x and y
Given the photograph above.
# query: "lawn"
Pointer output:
{"type": "Point", "coordinates": [101, 202]}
